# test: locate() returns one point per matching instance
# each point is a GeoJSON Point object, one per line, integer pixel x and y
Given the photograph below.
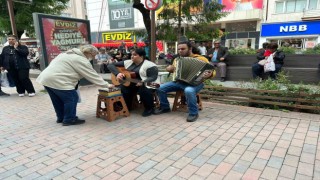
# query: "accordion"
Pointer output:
{"type": "Point", "coordinates": [190, 70]}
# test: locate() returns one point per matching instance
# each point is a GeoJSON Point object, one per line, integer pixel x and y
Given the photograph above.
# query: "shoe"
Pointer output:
{"type": "Point", "coordinates": [4, 94]}
{"type": "Point", "coordinates": [21, 95]}
{"type": "Point", "coordinates": [161, 111]}
{"type": "Point", "coordinates": [223, 79]}
{"type": "Point", "coordinates": [192, 118]}
{"type": "Point", "coordinates": [147, 112]}
{"type": "Point", "coordinates": [59, 121]}
{"type": "Point", "coordinates": [75, 122]}
{"type": "Point", "coordinates": [32, 94]}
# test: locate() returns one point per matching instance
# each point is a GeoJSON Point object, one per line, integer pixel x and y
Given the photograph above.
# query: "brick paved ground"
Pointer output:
{"type": "Point", "coordinates": [227, 142]}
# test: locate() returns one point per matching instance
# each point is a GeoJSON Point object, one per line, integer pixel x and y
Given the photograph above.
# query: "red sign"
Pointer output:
{"type": "Point", "coordinates": [153, 4]}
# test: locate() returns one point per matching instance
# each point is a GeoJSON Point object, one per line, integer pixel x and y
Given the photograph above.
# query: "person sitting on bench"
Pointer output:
{"type": "Point", "coordinates": [278, 57]}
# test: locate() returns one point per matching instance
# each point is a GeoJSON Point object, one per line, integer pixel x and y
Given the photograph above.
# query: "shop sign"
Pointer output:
{"type": "Point", "coordinates": [118, 36]}
{"type": "Point", "coordinates": [292, 28]}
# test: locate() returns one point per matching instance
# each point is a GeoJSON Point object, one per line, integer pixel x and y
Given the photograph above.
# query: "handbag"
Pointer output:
{"type": "Point", "coordinates": [270, 65]}
{"type": "Point", "coordinates": [4, 79]}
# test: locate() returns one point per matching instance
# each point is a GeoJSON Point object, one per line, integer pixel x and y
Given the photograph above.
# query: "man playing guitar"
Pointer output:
{"type": "Point", "coordinates": [141, 73]}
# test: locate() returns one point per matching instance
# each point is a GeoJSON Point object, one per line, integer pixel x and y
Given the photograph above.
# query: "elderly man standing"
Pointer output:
{"type": "Point", "coordinates": [218, 56]}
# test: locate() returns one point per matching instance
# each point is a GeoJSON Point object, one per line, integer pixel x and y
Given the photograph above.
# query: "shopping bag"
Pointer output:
{"type": "Point", "coordinates": [79, 99]}
{"type": "Point", "coordinates": [4, 79]}
{"type": "Point", "coordinates": [269, 66]}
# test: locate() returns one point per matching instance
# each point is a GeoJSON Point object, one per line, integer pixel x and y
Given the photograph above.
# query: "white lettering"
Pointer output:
{"type": "Point", "coordinates": [293, 28]}
{"type": "Point", "coordinates": [303, 28]}
{"type": "Point", "coordinates": [283, 29]}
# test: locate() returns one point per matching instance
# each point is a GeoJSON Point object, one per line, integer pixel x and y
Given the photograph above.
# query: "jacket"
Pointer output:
{"type": "Point", "coordinates": [20, 55]}
{"type": "Point", "coordinates": [64, 72]}
{"type": "Point", "coordinates": [222, 52]}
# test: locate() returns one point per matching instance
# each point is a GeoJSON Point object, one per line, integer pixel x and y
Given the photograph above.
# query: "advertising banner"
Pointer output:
{"type": "Point", "coordinates": [57, 34]}
{"type": "Point", "coordinates": [241, 5]}
{"type": "Point", "coordinates": [120, 14]}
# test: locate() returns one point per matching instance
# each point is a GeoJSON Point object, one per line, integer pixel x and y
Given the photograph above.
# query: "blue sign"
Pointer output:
{"type": "Point", "coordinates": [291, 28]}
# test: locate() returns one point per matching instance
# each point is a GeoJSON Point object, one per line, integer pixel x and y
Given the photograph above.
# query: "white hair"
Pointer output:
{"type": "Point", "coordinates": [88, 48]}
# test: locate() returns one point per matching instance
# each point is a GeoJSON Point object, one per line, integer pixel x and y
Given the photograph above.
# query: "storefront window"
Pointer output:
{"type": "Point", "coordinates": [240, 43]}
{"type": "Point", "coordinates": [298, 43]}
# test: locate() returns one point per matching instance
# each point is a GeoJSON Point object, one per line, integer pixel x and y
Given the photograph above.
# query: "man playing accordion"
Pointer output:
{"type": "Point", "coordinates": [190, 91]}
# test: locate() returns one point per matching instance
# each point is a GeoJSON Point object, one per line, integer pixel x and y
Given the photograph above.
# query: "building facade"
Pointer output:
{"type": "Point", "coordinates": [292, 23]}
{"type": "Point", "coordinates": [113, 21]}
{"type": "Point", "coordinates": [76, 9]}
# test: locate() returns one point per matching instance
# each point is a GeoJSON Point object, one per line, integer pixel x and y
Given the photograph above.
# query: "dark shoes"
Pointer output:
{"type": "Point", "coordinates": [192, 118]}
{"type": "Point", "coordinates": [223, 79]}
{"type": "Point", "coordinates": [4, 94]}
{"type": "Point", "coordinates": [161, 111]}
{"type": "Point", "coordinates": [75, 122]}
{"type": "Point", "coordinates": [147, 112]}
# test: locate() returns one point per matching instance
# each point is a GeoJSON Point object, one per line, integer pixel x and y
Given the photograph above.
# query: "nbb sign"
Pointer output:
{"type": "Point", "coordinates": [293, 28]}
{"type": "Point", "coordinates": [290, 29]}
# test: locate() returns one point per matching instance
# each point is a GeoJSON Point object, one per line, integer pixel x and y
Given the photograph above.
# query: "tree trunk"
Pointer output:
{"type": "Point", "coordinates": [146, 16]}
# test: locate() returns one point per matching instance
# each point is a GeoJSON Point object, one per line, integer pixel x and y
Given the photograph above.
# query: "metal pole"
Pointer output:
{"type": "Point", "coordinates": [11, 15]}
{"type": "Point", "coordinates": [153, 36]}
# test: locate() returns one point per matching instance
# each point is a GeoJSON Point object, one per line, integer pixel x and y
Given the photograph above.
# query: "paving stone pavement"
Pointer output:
{"type": "Point", "coordinates": [227, 142]}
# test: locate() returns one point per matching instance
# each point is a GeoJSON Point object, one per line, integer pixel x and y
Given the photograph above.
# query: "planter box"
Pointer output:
{"type": "Point", "coordinates": [292, 101]}
{"type": "Point", "coordinates": [300, 67]}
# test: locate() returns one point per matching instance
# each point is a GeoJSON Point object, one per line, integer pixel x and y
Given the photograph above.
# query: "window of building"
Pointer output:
{"type": "Point", "coordinates": [313, 4]}
{"type": "Point", "coordinates": [241, 27]}
{"type": "Point", "coordinates": [297, 43]}
{"type": "Point", "coordinates": [290, 6]}
{"type": "Point", "coordinates": [66, 14]}
{"type": "Point", "coordinates": [240, 43]}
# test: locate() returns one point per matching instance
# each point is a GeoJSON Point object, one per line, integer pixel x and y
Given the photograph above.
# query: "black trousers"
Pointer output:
{"type": "Point", "coordinates": [146, 95]}
{"type": "Point", "coordinates": [21, 80]}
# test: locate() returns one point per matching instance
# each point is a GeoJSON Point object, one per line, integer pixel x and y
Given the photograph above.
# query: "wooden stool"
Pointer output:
{"type": "Point", "coordinates": [109, 112]}
{"type": "Point", "coordinates": [180, 104]}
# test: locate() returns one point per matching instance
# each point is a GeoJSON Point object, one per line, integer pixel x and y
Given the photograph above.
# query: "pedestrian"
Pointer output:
{"type": "Point", "coordinates": [61, 77]}
{"type": "Point", "coordinates": [15, 61]}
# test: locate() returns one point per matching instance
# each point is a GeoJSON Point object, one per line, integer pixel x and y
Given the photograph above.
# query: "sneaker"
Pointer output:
{"type": "Point", "coordinates": [21, 95]}
{"type": "Point", "coordinates": [223, 79]}
{"type": "Point", "coordinates": [161, 111]}
{"type": "Point", "coordinates": [59, 121]}
{"type": "Point", "coordinates": [75, 122]}
{"type": "Point", "coordinates": [192, 118]}
{"type": "Point", "coordinates": [147, 112]}
{"type": "Point", "coordinates": [32, 94]}
{"type": "Point", "coordinates": [4, 94]}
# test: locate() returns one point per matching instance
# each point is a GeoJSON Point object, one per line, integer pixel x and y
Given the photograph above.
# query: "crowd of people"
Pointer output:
{"type": "Point", "coordinates": [61, 78]}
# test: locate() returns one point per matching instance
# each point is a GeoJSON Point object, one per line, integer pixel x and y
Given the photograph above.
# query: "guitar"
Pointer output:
{"type": "Point", "coordinates": [130, 77]}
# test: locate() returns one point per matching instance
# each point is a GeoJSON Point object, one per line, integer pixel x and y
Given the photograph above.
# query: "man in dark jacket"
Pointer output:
{"type": "Point", "coordinates": [218, 56]}
{"type": "Point", "coordinates": [278, 57]}
{"type": "Point", "coordinates": [14, 59]}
